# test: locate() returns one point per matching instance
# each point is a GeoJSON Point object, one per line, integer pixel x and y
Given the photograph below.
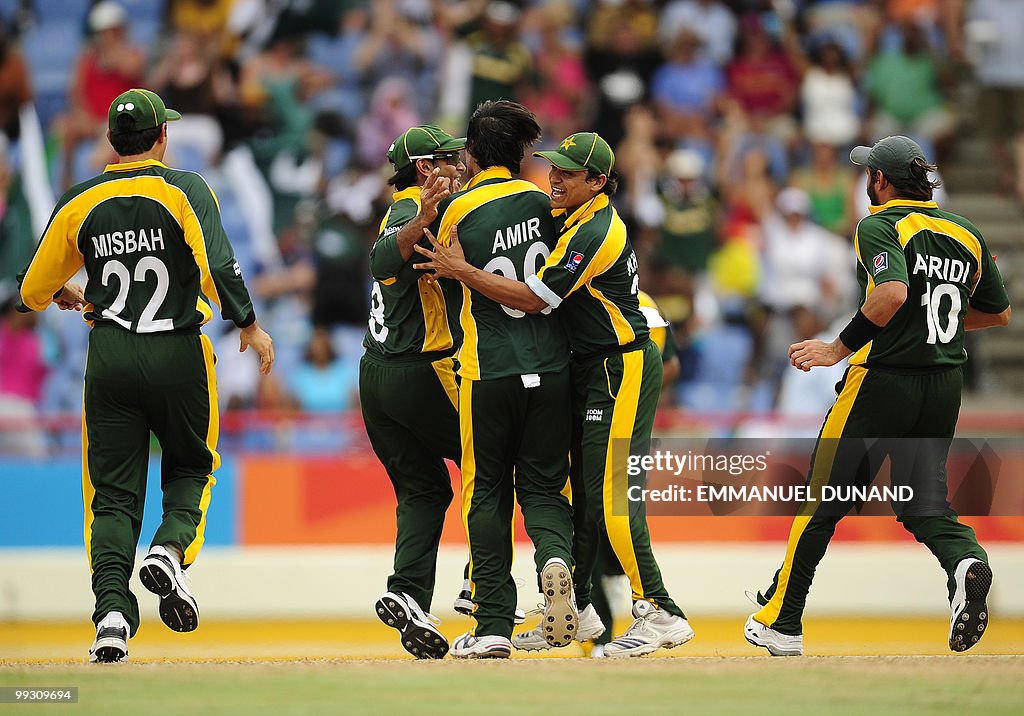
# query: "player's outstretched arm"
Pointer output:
{"type": "Point", "coordinates": [873, 316]}
{"type": "Point", "coordinates": [976, 320]}
{"type": "Point", "coordinates": [262, 343]}
{"type": "Point", "coordinates": [450, 262]}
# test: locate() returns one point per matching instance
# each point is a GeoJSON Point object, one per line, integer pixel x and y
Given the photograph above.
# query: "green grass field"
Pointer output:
{"type": "Point", "coordinates": [932, 685]}
{"type": "Point", "coordinates": [891, 665]}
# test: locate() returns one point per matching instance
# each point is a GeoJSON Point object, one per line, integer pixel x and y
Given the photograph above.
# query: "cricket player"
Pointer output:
{"type": "Point", "coordinates": [407, 384]}
{"type": "Point", "coordinates": [927, 276]}
{"type": "Point", "coordinates": [151, 241]}
{"type": "Point", "coordinates": [514, 395]}
{"type": "Point", "coordinates": [591, 278]}
{"type": "Point", "coordinates": [606, 565]}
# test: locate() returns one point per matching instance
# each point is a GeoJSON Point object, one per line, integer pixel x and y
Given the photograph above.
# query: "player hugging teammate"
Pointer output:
{"type": "Point", "coordinates": [536, 385]}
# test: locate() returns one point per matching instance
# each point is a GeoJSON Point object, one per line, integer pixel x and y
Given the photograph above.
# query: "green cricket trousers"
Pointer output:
{"type": "Point", "coordinates": [135, 384]}
{"type": "Point", "coordinates": [615, 397]}
{"type": "Point", "coordinates": [409, 410]}
{"type": "Point", "coordinates": [913, 409]}
{"type": "Point", "coordinates": [515, 446]}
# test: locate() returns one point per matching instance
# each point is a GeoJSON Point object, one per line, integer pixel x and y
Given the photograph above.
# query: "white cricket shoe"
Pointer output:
{"type": "Point", "coordinates": [776, 643]}
{"type": "Point", "coordinates": [590, 627]}
{"type": "Point", "coordinates": [161, 573]}
{"type": "Point", "coordinates": [559, 620]}
{"type": "Point", "coordinates": [464, 604]}
{"type": "Point", "coordinates": [653, 629]}
{"type": "Point", "coordinates": [468, 646]}
{"type": "Point", "coordinates": [420, 636]}
{"type": "Point", "coordinates": [969, 610]}
{"type": "Point", "coordinates": [111, 643]}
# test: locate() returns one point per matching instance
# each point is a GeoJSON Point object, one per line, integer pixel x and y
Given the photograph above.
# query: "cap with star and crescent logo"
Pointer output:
{"type": "Point", "coordinates": [582, 151]}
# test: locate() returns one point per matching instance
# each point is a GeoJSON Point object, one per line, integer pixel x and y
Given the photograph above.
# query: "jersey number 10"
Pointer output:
{"type": "Point", "coordinates": [931, 301]}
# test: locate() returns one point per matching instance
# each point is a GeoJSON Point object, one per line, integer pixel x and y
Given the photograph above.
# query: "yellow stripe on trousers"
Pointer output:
{"type": "Point", "coordinates": [88, 491]}
{"type": "Point", "coordinates": [623, 421]}
{"type": "Point", "coordinates": [445, 369]}
{"type": "Point", "coordinates": [835, 423]}
{"type": "Point", "coordinates": [468, 465]}
{"type": "Point", "coordinates": [212, 435]}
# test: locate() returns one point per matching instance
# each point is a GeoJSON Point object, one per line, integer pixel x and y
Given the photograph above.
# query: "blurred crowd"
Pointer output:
{"type": "Point", "coordinates": [731, 122]}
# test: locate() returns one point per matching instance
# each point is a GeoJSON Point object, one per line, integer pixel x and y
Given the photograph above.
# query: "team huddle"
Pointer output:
{"type": "Point", "coordinates": [558, 376]}
{"type": "Point", "coordinates": [536, 297]}
{"type": "Point", "coordinates": [507, 333]}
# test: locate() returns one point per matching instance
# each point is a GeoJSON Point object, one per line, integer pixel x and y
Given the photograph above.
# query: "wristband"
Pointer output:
{"type": "Point", "coordinates": [859, 332]}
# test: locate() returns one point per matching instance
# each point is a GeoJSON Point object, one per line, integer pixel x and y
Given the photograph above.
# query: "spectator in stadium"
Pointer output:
{"type": "Point", "coordinates": [206, 18]}
{"type": "Point", "coordinates": [15, 85]}
{"type": "Point", "coordinates": [686, 89]}
{"type": "Point", "coordinates": [690, 227]}
{"type": "Point", "coordinates": [804, 268]}
{"type": "Point", "coordinates": [994, 32]}
{"type": "Point", "coordinates": [277, 85]}
{"type": "Point", "coordinates": [829, 98]}
{"type": "Point", "coordinates": [392, 110]}
{"type": "Point", "coordinates": [323, 382]}
{"type": "Point", "coordinates": [621, 56]}
{"type": "Point", "coordinates": [109, 65]}
{"type": "Point", "coordinates": [561, 96]}
{"type": "Point", "coordinates": [396, 45]}
{"type": "Point", "coordinates": [22, 372]}
{"type": "Point", "coordinates": [905, 87]}
{"type": "Point", "coordinates": [831, 186]}
{"type": "Point", "coordinates": [747, 181]}
{"type": "Point", "coordinates": [500, 64]}
{"type": "Point", "coordinates": [713, 22]}
{"type": "Point", "coordinates": [764, 79]}
{"type": "Point", "coordinates": [192, 76]}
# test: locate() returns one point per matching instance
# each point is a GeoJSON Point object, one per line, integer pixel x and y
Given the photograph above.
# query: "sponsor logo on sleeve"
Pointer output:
{"type": "Point", "coordinates": [881, 262]}
{"type": "Point", "coordinates": [575, 259]}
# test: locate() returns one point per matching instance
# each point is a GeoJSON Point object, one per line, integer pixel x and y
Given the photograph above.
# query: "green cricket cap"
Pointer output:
{"type": "Point", "coordinates": [581, 151]}
{"type": "Point", "coordinates": [422, 142]}
{"type": "Point", "coordinates": [892, 155]}
{"type": "Point", "coordinates": [145, 107]}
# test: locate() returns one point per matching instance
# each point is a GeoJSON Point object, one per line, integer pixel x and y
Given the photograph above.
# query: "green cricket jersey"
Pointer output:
{"type": "Point", "coordinates": [407, 312]}
{"type": "Point", "coordinates": [151, 240]}
{"type": "Point", "coordinates": [591, 278]}
{"type": "Point", "coordinates": [505, 227]}
{"type": "Point", "coordinates": [947, 267]}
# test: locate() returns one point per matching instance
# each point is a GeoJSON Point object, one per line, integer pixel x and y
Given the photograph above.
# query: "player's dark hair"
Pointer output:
{"type": "Point", "coordinates": [918, 186]}
{"type": "Point", "coordinates": [404, 177]}
{"type": "Point", "coordinates": [129, 142]}
{"type": "Point", "coordinates": [610, 186]}
{"type": "Point", "coordinates": [499, 134]}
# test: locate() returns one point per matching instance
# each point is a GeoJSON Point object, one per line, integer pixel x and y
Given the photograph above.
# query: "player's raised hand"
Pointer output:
{"type": "Point", "coordinates": [261, 342]}
{"type": "Point", "coordinates": [435, 188]}
{"type": "Point", "coordinates": [445, 261]}
{"type": "Point", "coordinates": [71, 298]}
{"type": "Point", "coordinates": [809, 354]}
